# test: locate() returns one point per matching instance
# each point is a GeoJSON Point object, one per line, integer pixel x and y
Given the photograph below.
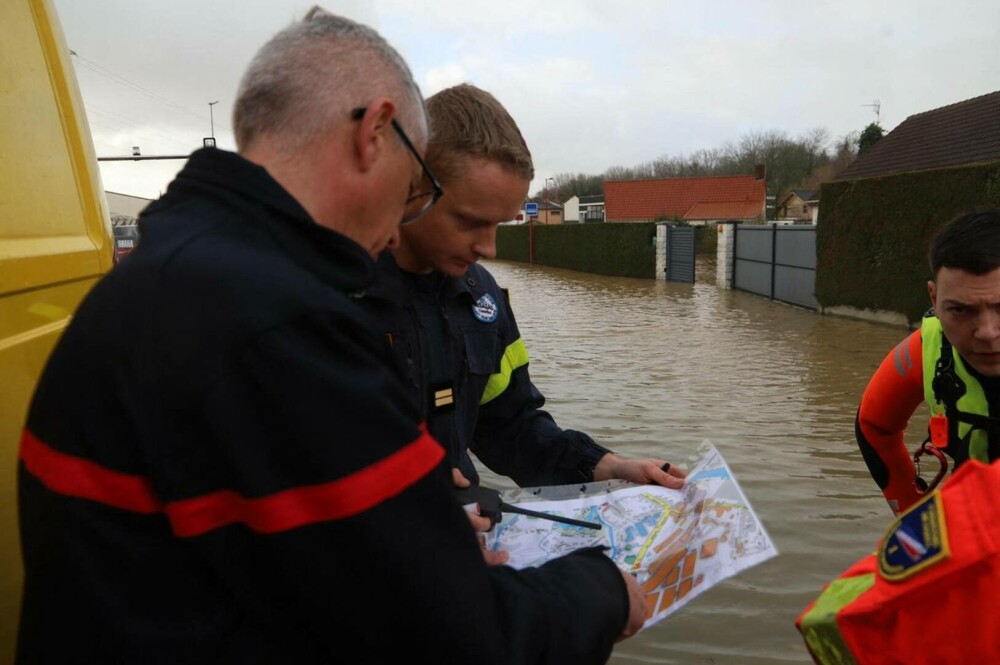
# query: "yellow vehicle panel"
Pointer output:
{"type": "Point", "coordinates": [55, 239]}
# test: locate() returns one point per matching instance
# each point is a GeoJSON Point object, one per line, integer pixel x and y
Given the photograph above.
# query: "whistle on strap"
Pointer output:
{"type": "Point", "coordinates": [939, 431]}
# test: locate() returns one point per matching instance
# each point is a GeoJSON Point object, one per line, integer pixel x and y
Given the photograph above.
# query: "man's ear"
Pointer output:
{"type": "Point", "coordinates": [374, 132]}
{"type": "Point", "coordinates": [932, 292]}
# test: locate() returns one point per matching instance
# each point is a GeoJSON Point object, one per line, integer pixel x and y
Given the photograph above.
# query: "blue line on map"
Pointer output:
{"type": "Point", "coordinates": [710, 473]}
{"type": "Point", "coordinates": [500, 528]}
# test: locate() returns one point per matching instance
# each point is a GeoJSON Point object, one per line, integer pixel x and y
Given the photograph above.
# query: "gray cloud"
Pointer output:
{"type": "Point", "coordinates": [592, 84]}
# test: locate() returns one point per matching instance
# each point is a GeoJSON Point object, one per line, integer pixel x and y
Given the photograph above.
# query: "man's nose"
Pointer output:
{"type": "Point", "coordinates": [486, 244]}
{"type": "Point", "coordinates": [989, 325]}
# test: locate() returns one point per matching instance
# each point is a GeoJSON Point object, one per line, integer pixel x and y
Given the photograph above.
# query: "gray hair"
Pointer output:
{"type": "Point", "coordinates": [310, 76]}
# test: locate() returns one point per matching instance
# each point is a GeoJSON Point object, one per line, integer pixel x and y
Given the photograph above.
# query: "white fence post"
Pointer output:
{"type": "Point", "coordinates": [725, 255]}
{"type": "Point", "coordinates": [661, 251]}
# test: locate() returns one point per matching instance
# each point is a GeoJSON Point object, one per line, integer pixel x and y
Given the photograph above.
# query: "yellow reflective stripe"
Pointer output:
{"type": "Point", "coordinates": [819, 625]}
{"type": "Point", "coordinates": [514, 356]}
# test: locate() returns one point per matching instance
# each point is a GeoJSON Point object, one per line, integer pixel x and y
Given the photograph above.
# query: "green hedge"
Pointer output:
{"type": "Point", "coordinates": [625, 250]}
{"type": "Point", "coordinates": [872, 235]}
{"type": "Point", "coordinates": [706, 240]}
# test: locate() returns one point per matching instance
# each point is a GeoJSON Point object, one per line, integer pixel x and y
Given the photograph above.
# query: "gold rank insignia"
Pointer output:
{"type": "Point", "coordinates": [443, 397]}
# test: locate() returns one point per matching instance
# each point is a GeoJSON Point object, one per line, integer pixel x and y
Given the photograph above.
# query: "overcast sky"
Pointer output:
{"type": "Point", "coordinates": [592, 84]}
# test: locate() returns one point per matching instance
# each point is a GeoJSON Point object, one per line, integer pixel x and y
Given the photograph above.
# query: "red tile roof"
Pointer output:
{"type": "Point", "coordinates": [966, 132]}
{"type": "Point", "coordinates": [716, 197]}
{"type": "Point", "coordinates": [724, 210]}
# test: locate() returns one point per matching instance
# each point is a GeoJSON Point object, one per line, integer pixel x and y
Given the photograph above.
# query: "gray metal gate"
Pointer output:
{"type": "Point", "coordinates": [680, 253]}
{"type": "Point", "coordinates": [777, 261]}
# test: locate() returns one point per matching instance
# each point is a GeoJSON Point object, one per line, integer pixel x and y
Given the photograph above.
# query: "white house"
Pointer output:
{"type": "Point", "coordinates": [125, 205]}
{"type": "Point", "coordinates": [584, 209]}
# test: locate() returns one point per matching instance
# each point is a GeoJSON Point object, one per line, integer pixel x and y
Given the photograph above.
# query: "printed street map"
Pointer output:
{"type": "Point", "coordinates": [678, 543]}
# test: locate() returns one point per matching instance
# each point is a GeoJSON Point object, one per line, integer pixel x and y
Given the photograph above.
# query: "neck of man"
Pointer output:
{"type": "Point", "coordinates": [407, 258]}
{"type": "Point", "coordinates": [308, 179]}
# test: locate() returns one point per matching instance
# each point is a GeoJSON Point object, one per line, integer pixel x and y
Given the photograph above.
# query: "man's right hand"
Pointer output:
{"type": "Point", "coordinates": [480, 525]}
{"type": "Point", "coordinates": [637, 607]}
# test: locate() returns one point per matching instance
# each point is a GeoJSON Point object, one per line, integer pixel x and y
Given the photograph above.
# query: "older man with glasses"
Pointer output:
{"type": "Point", "coordinates": [218, 466]}
{"type": "Point", "coordinates": [419, 202]}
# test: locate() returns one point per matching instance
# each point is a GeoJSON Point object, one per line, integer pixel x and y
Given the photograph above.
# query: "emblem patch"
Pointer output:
{"type": "Point", "coordinates": [486, 309]}
{"type": "Point", "coordinates": [916, 540]}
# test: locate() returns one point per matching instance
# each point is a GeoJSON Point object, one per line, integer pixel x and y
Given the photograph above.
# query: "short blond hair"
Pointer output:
{"type": "Point", "coordinates": [466, 121]}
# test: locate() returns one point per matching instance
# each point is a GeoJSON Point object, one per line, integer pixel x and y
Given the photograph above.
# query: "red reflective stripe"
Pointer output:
{"type": "Point", "coordinates": [302, 506]}
{"type": "Point", "coordinates": [289, 509]}
{"type": "Point", "coordinates": [75, 476]}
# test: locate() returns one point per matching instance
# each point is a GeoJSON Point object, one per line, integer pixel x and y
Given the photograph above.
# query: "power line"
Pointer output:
{"type": "Point", "coordinates": [125, 123]}
{"type": "Point", "coordinates": [100, 70]}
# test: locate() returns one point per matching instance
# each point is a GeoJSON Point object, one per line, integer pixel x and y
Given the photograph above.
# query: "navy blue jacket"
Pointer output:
{"type": "Point", "coordinates": [219, 467]}
{"type": "Point", "coordinates": [497, 411]}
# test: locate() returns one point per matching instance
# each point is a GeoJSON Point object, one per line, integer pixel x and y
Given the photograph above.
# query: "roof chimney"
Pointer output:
{"type": "Point", "coordinates": [759, 172]}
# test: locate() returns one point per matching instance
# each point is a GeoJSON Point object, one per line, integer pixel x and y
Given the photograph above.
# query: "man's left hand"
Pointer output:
{"type": "Point", "coordinates": [645, 471]}
{"type": "Point", "coordinates": [480, 524]}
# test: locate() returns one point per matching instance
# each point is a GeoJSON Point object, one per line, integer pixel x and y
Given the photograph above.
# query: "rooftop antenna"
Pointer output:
{"type": "Point", "coordinates": [877, 105]}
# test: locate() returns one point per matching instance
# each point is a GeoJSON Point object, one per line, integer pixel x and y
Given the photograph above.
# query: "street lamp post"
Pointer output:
{"type": "Point", "coordinates": [545, 198]}
{"type": "Point", "coordinates": [209, 141]}
{"type": "Point", "coordinates": [211, 116]}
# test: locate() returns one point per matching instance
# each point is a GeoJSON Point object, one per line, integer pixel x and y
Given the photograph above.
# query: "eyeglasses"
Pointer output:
{"type": "Point", "coordinates": [419, 203]}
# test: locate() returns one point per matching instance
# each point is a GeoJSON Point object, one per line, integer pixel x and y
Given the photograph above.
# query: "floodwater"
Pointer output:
{"type": "Point", "coordinates": [650, 368]}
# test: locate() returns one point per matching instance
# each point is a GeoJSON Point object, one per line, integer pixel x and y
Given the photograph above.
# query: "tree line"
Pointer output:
{"type": "Point", "coordinates": [791, 162]}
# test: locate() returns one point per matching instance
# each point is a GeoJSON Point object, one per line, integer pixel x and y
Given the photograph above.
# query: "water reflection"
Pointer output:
{"type": "Point", "coordinates": [653, 368]}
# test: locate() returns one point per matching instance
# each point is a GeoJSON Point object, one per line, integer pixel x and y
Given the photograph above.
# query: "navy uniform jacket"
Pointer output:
{"type": "Point", "coordinates": [460, 334]}
{"type": "Point", "coordinates": [218, 467]}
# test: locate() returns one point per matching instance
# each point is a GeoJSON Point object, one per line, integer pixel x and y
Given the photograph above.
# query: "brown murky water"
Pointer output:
{"type": "Point", "coordinates": [652, 369]}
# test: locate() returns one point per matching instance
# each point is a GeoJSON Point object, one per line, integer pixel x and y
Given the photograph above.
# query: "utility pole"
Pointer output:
{"type": "Point", "coordinates": [531, 241]}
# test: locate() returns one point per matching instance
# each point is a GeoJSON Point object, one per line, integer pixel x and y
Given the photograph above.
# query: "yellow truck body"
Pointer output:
{"type": "Point", "coordinates": [55, 240]}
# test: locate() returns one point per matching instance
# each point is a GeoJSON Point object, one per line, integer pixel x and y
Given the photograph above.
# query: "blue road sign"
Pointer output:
{"type": "Point", "coordinates": [531, 209]}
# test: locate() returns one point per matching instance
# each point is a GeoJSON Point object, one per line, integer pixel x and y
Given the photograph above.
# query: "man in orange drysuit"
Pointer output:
{"type": "Point", "coordinates": [952, 363]}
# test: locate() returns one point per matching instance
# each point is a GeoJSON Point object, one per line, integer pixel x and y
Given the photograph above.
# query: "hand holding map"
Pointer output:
{"type": "Point", "coordinates": [678, 543]}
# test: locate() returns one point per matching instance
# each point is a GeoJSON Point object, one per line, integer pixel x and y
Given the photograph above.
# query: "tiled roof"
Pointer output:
{"type": "Point", "coordinates": [630, 200]}
{"type": "Point", "coordinates": [724, 210]}
{"type": "Point", "coordinates": [592, 198]}
{"type": "Point", "coordinates": [805, 195]}
{"type": "Point", "coordinates": [963, 133]}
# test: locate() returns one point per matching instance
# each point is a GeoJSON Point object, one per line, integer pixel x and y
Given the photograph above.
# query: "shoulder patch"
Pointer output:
{"type": "Point", "coordinates": [486, 309]}
{"type": "Point", "coordinates": [917, 540]}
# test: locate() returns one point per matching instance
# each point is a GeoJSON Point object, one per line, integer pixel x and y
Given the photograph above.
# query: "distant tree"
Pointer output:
{"type": "Point", "coordinates": [870, 135]}
{"type": "Point", "coordinates": [568, 185]}
{"type": "Point", "coordinates": [619, 173]}
{"type": "Point", "coordinates": [815, 141]}
{"type": "Point", "coordinates": [789, 162]}
{"type": "Point", "coordinates": [846, 149]}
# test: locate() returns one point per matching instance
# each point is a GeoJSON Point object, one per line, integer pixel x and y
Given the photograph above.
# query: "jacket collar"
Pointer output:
{"type": "Point", "coordinates": [390, 284]}
{"type": "Point", "coordinates": [332, 256]}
